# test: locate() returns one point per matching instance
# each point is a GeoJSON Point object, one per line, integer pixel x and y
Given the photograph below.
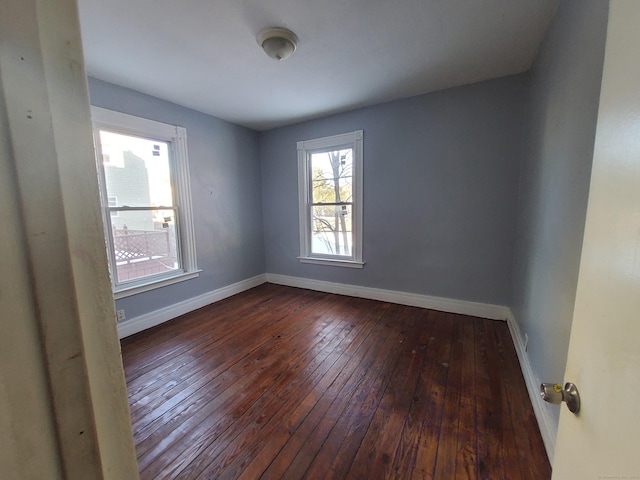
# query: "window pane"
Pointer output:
{"type": "Point", "coordinates": [331, 230]}
{"type": "Point", "coordinates": [140, 252]}
{"type": "Point", "coordinates": [113, 202]}
{"type": "Point", "coordinates": [136, 170]}
{"type": "Point", "coordinates": [331, 176]}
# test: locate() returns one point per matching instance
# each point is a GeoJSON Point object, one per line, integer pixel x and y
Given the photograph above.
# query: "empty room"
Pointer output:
{"type": "Point", "coordinates": [340, 239]}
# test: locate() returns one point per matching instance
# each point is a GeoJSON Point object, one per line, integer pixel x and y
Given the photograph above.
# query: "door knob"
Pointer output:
{"type": "Point", "coordinates": [555, 394]}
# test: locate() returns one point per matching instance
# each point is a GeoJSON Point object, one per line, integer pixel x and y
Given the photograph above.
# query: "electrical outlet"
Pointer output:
{"type": "Point", "coordinates": [526, 341]}
{"type": "Point", "coordinates": [121, 316]}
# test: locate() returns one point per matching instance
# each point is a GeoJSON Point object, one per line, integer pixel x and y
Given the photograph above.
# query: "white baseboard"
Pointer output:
{"type": "Point", "coordinates": [540, 408]}
{"type": "Point", "coordinates": [165, 314]}
{"type": "Point", "coordinates": [484, 310]}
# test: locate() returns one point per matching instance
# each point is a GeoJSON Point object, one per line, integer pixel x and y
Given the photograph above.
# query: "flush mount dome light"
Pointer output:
{"type": "Point", "coordinates": [278, 43]}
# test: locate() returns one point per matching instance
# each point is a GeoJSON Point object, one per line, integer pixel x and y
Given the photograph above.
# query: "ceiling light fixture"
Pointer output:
{"type": "Point", "coordinates": [278, 43]}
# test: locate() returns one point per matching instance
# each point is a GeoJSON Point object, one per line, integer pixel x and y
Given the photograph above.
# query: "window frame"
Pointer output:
{"type": "Point", "coordinates": [176, 137]}
{"type": "Point", "coordinates": [354, 141]}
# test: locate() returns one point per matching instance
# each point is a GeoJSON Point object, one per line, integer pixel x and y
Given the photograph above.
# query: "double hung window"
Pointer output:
{"type": "Point", "coordinates": [330, 200]}
{"type": "Point", "coordinates": [146, 201]}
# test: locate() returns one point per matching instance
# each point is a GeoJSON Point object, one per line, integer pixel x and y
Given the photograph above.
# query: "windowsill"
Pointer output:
{"type": "Point", "coordinates": [332, 262]}
{"type": "Point", "coordinates": [129, 290]}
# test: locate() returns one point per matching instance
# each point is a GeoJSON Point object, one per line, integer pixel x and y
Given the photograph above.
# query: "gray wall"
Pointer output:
{"type": "Point", "coordinates": [225, 187]}
{"type": "Point", "coordinates": [563, 106]}
{"type": "Point", "coordinates": [440, 184]}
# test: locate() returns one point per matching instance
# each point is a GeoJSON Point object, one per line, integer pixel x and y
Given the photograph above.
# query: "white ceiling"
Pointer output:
{"type": "Point", "coordinates": [203, 54]}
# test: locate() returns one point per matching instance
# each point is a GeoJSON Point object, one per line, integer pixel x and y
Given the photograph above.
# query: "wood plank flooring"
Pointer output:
{"type": "Point", "coordinates": [279, 382]}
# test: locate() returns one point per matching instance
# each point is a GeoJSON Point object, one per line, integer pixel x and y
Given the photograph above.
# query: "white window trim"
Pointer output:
{"type": "Point", "coordinates": [351, 140]}
{"type": "Point", "coordinates": [177, 137]}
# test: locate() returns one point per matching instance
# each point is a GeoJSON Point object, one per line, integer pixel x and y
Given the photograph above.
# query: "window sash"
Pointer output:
{"type": "Point", "coordinates": [339, 237]}
{"type": "Point", "coordinates": [149, 253]}
{"type": "Point", "coordinates": [329, 177]}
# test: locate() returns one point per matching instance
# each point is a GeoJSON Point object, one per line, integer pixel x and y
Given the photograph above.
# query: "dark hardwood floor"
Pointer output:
{"type": "Point", "coordinates": [280, 382]}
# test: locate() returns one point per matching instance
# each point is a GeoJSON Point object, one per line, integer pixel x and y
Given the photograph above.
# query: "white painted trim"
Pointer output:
{"type": "Point", "coordinates": [127, 291]}
{"type": "Point", "coordinates": [476, 309]}
{"type": "Point", "coordinates": [331, 261]}
{"type": "Point", "coordinates": [131, 124]}
{"type": "Point", "coordinates": [333, 141]}
{"type": "Point", "coordinates": [303, 196]}
{"type": "Point", "coordinates": [182, 191]}
{"type": "Point", "coordinates": [540, 408]}
{"type": "Point", "coordinates": [358, 186]}
{"type": "Point", "coordinates": [165, 314]}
